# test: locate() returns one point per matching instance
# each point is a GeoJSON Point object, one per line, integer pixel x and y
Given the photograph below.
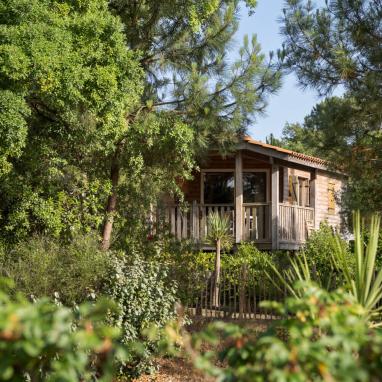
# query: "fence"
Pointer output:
{"type": "Point", "coordinates": [240, 295]}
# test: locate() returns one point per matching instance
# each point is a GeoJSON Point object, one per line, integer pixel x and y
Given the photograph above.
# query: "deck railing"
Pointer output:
{"type": "Point", "coordinates": [193, 221]}
{"type": "Point", "coordinates": [295, 222]}
{"type": "Point", "coordinates": [256, 224]}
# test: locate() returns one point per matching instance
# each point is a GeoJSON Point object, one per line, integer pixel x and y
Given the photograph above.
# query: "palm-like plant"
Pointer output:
{"type": "Point", "coordinates": [218, 234]}
{"type": "Point", "coordinates": [364, 282]}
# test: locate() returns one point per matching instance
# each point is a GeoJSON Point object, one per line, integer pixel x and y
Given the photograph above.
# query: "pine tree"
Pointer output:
{"type": "Point", "coordinates": [339, 45]}
{"type": "Point", "coordinates": [183, 48]}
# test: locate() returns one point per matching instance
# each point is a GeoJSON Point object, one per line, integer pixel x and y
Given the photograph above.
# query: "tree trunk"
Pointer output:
{"type": "Point", "coordinates": [216, 294]}
{"type": "Point", "coordinates": [111, 203]}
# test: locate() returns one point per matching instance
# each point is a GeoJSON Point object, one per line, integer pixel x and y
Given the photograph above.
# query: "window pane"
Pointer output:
{"type": "Point", "coordinates": [255, 187]}
{"type": "Point", "coordinates": [219, 188]}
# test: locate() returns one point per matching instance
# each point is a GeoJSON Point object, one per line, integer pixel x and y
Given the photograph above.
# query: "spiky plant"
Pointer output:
{"type": "Point", "coordinates": [364, 282]}
{"type": "Point", "coordinates": [218, 234]}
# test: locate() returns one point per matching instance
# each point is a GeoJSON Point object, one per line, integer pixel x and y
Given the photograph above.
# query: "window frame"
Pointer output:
{"type": "Point", "coordinates": [300, 179]}
{"type": "Point", "coordinates": [232, 170]}
{"type": "Point", "coordinates": [267, 185]}
{"type": "Point", "coordinates": [202, 179]}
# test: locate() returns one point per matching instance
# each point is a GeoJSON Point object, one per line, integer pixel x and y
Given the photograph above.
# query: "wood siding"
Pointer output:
{"type": "Point", "coordinates": [295, 222]}
{"type": "Point", "coordinates": [322, 199]}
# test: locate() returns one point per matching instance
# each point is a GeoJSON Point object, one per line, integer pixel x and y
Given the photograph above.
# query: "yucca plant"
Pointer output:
{"type": "Point", "coordinates": [365, 283]}
{"type": "Point", "coordinates": [299, 271]}
{"type": "Point", "coordinates": [218, 234]}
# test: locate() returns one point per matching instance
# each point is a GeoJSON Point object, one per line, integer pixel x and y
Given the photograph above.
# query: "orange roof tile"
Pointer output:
{"type": "Point", "coordinates": [305, 157]}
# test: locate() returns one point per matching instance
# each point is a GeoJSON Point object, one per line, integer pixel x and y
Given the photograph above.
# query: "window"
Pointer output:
{"type": "Point", "coordinates": [304, 192]}
{"type": "Point", "coordinates": [331, 198]}
{"type": "Point", "coordinates": [254, 187]}
{"type": "Point", "coordinates": [219, 188]}
{"type": "Point", "coordinates": [299, 191]}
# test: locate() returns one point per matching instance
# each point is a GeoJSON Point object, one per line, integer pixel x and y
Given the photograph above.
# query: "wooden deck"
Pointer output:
{"type": "Point", "coordinates": [293, 222]}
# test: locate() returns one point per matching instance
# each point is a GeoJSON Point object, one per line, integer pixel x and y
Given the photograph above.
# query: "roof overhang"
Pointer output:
{"type": "Point", "coordinates": [281, 156]}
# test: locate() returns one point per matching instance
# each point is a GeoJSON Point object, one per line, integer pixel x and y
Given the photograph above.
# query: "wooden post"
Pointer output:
{"type": "Point", "coordinates": [275, 207]}
{"type": "Point", "coordinates": [195, 221]}
{"type": "Point", "coordinates": [238, 197]}
{"type": "Point", "coordinates": [242, 288]}
{"type": "Point", "coordinates": [313, 197]}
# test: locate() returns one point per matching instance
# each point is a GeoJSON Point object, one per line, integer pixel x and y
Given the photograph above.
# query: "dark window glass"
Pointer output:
{"type": "Point", "coordinates": [255, 187]}
{"type": "Point", "coordinates": [219, 188]}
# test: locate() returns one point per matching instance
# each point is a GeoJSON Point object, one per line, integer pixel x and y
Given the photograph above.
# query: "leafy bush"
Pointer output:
{"type": "Point", "coordinates": [42, 341]}
{"type": "Point", "coordinates": [145, 297]}
{"type": "Point", "coordinates": [192, 270]}
{"type": "Point", "coordinates": [43, 266]}
{"type": "Point", "coordinates": [324, 338]}
{"type": "Point", "coordinates": [319, 249]}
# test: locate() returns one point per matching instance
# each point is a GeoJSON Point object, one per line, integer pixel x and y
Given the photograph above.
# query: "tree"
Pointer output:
{"type": "Point", "coordinates": [295, 137]}
{"type": "Point", "coordinates": [93, 115]}
{"type": "Point", "coordinates": [340, 45]}
{"type": "Point", "coordinates": [183, 48]}
{"type": "Point", "coordinates": [67, 81]}
{"type": "Point", "coordinates": [220, 237]}
{"type": "Point", "coordinates": [337, 44]}
{"type": "Point", "coordinates": [337, 130]}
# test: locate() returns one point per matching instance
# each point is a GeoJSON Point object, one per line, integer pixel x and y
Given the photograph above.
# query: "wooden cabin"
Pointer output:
{"type": "Point", "coordinates": [273, 196]}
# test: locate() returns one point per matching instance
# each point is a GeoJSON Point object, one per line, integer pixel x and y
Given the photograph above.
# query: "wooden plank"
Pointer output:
{"type": "Point", "coordinates": [172, 220]}
{"type": "Point", "coordinates": [178, 223]}
{"type": "Point", "coordinates": [238, 196]}
{"type": "Point", "coordinates": [184, 225]}
{"type": "Point", "coordinates": [275, 206]}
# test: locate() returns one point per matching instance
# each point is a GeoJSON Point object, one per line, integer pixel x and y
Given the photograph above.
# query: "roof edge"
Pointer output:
{"type": "Point", "coordinates": [291, 153]}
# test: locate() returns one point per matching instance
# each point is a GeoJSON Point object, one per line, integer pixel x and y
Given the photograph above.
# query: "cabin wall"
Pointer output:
{"type": "Point", "coordinates": [323, 181]}
{"type": "Point", "coordinates": [292, 171]}
{"type": "Point", "coordinates": [251, 161]}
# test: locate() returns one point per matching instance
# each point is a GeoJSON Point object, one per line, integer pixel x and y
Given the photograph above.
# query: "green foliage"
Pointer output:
{"type": "Point", "coordinates": [70, 273]}
{"type": "Point", "coordinates": [145, 297]}
{"type": "Point", "coordinates": [67, 80]}
{"type": "Point", "coordinates": [365, 284]}
{"type": "Point", "coordinates": [355, 272]}
{"type": "Point", "coordinates": [44, 342]}
{"type": "Point", "coordinates": [191, 270]}
{"type": "Point", "coordinates": [323, 43]}
{"type": "Point", "coordinates": [189, 86]}
{"type": "Point", "coordinates": [218, 229]}
{"type": "Point", "coordinates": [324, 338]}
{"type": "Point", "coordinates": [340, 130]}
{"type": "Point", "coordinates": [337, 44]}
{"type": "Point", "coordinates": [319, 250]}
{"type": "Point", "coordinates": [217, 98]}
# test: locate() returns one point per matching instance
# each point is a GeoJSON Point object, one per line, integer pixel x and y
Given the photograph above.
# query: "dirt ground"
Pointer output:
{"type": "Point", "coordinates": [174, 370]}
{"type": "Point", "coordinates": [180, 370]}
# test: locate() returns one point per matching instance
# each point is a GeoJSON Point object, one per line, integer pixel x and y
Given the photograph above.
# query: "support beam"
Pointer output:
{"type": "Point", "coordinates": [275, 207]}
{"type": "Point", "coordinates": [313, 196]}
{"type": "Point", "coordinates": [238, 197]}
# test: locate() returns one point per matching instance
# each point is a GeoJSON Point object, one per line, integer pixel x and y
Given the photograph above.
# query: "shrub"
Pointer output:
{"type": "Point", "coordinates": [38, 342]}
{"type": "Point", "coordinates": [324, 338]}
{"type": "Point", "coordinates": [43, 266]}
{"type": "Point", "coordinates": [145, 297]}
{"type": "Point", "coordinates": [319, 250]}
